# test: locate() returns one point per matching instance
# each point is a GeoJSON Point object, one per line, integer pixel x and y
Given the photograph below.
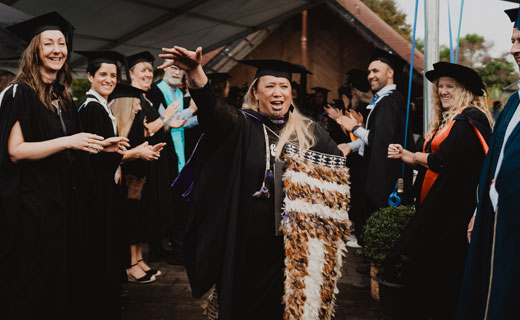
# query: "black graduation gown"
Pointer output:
{"type": "Point", "coordinates": [41, 213]}
{"type": "Point", "coordinates": [157, 195]}
{"type": "Point", "coordinates": [435, 239]}
{"type": "Point", "coordinates": [230, 239]}
{"type": "Point", "coordinates": [136, 214]}
{"type": "Point", "coordinates": [387, 125]}
{"type": "Point", "coordinates": [105, 222]}
{"type": "Point", "coordinates": [493, 254]}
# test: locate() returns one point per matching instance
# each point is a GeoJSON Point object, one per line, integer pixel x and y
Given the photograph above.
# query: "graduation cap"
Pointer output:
{"type": "Point", "coordinates": [28, 29]}
{"type": "Point", "coordinates": [358, 80]}
{"type": "Point", "coordinates": [468, 77]}
{"type": "Point", "coordinates": [110, 57]}
{"type": "Point", "coordinates": [513, 16]}
{"type": "Point", "coordinates": [281, 68]}
{"type": "Point", "coordinates": [324, 91]}
{"type": "Point", "coordinates": [396, 63]}
{"type": "Point", "coordinates": [274, 67]}
{"type": "Point", "coordinates": [144, 56]}
{"type": "Point", "coordinates": [218, 77]}
{"type": "Point", "coordinates": [125, 91]}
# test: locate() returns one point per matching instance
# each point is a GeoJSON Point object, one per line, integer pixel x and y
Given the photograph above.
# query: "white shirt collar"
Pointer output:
{"type": "Point", "coordinates": [101, 100]}
{"type": "Point", "coordinates": [386, 89]}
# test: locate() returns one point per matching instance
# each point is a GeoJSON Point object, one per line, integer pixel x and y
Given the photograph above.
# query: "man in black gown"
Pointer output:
{"type": "Point", "coordinates": [385, 124]}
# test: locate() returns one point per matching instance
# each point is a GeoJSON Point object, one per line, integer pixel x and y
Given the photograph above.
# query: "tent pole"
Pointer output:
{"type": "Point", "coordinates": [431, 54]}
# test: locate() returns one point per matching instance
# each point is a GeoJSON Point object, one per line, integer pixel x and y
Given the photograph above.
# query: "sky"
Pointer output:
{"type": "Point", "coordinates": [483, 17]}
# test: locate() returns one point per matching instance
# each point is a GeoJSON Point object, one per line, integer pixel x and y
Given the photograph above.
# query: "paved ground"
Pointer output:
{"type": "Point", "coordinates": [169, 298]}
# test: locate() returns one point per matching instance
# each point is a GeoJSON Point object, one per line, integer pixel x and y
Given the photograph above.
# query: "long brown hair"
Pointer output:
{"type": "Point", "coordinates": [29, 74]}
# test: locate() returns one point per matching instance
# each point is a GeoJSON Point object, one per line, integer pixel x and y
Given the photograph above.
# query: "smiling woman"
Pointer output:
{"type": "Point", "coordinates": [105, 220]}
{"type": "Point", "coordinates": [44, 171]}
{"type": "Point", "coordinates": [435, 239]}
{"type": "Point", "coordinates": [232, 239]}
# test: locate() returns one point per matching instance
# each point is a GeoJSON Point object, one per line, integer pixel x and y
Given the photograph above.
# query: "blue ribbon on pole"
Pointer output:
{"type": "Point", "coordinates": [458, 35]}
{"type": "Point", "coordinates": [394, 199]}
{"type": "Point", "coordinates": [452, 56]}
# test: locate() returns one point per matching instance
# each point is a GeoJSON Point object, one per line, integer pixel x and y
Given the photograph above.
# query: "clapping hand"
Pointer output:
{"type": "Point", "coordinates": [116, 144]}
{"type": "Point", "coordinates": [348, 122]}
{"type": "Point", "coordinates": [395, 151]}
{"type": "Point", "coordinates": [332, 112]}
{"type": "Point", "coordinates": [147, 152]}
{"type": "Point", "coordinates": [88, 142]}
{"type": "Point", "coordinates": [356, 115]}
{"type": "Point", "coordinates": [176, 123]}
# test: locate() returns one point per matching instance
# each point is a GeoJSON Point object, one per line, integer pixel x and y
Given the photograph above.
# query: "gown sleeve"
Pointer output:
{"type": "Point", "coordinates": [94, 119]}
{"type": "Point", "coordinates": [10, 112]}
{"type": "Point", "coordinates": [214, 115]}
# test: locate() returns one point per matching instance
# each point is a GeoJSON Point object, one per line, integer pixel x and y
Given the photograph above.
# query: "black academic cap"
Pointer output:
{"type": "Point", "coordinates": [468, 77]}
{"type": "Point", "coordinates": [513, 16]}
{"type": "Point", "coordinates": [274, 67]}
{"type": "Point", "coordinates": [125, 91]}
{"type": "Point", "coordinates": [49, 21]}
{"type": "Point", "coordinates": [219, 77]}
{"type": "Point", "coordinates": [393, 61]}
{"type": "Point", "coordinates": [111, 57]}
{"type": "Point", "coordinates": [358, 80]}
{"type": "Point", "coordinates": [320, 89]}
{"type": "Point", "coordinates": [144, 56]}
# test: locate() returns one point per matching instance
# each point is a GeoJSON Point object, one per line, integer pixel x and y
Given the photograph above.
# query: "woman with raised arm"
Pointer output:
{"type": "Point", "coordinates": [45, 174]}
{"type": "Point", "coordinates": [231, 237]}
{"type": "Point", "coordinates": [452, 156]}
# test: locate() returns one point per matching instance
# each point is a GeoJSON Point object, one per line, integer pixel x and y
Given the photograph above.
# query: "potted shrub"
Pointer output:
{"type": "Point", "coordinates": [381, 231]}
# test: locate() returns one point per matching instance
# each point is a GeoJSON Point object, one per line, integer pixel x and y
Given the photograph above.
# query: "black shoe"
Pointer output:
{"type": "Point", "coordinates": [147, 278]}
{"type": "Point", "coordinates": [154, 272]}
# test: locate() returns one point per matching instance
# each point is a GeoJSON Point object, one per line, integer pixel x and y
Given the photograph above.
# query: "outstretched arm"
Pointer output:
{"type": "Point", "coordinates": [213, 114]}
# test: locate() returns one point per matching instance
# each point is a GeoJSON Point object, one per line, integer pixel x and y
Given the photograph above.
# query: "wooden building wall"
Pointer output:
{"type": "Point", "coordinates": [333, 48]}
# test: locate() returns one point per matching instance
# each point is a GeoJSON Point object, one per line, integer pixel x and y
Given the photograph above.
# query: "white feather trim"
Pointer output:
{"type": "Point", "coordinates": [314, 280]}
{"type": "Point", "coordinates": [302, 178]}
{"type": "Point", "coordinates": [321, 211]}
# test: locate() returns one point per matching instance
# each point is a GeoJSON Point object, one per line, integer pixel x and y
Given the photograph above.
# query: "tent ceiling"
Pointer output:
{"type": "Point", "coordinates": [130, 26]}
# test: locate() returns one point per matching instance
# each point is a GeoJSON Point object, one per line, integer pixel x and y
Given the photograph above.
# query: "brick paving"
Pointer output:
{"type": "Point", "coordinates": [169, 298]}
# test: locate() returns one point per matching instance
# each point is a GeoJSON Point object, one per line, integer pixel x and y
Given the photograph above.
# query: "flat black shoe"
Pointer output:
{"type": "Point", "coordinates": [154, 272]}
{"type": "Point", "coordinates": [144, 279]}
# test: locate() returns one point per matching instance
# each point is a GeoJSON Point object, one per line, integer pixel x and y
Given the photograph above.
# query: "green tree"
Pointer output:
{"type": "Point", "coordinates": [419, 44]}
{"type": "Point", "coordinates": [496, 73]}
{"type": "Point", "coordinates": [387, 10]}
{"type": "Point", "coordinates": [79, 89]}
{"type": "Point", "coordinates": [473, 51]}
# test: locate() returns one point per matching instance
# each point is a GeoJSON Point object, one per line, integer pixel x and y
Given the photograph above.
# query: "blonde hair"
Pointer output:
{"type": "Point", "coordinates": [463, 98]}
{"type": "Point", "coordinates": [298, 129]}
{"type": "Point", "coordinates": [123, 110]}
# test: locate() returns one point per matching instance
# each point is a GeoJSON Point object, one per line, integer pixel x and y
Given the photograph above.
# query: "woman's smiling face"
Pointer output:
{"type": "Point", "coordinates": [273, 95]}
{"type": "Point", "coordinates": [446, 88]}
